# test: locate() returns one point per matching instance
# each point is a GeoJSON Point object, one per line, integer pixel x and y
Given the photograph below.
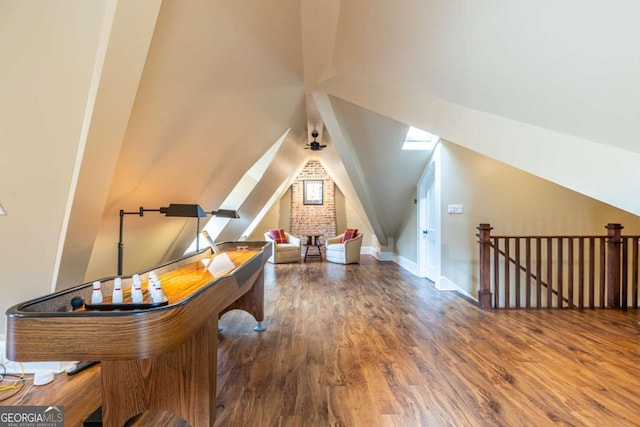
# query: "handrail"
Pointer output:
{"type": "Point", "coordinates": [524, 269]}
{"type": "Point", "coordinates": [555, 236]}
{"type": "Point", "coordinates": [559, 271]}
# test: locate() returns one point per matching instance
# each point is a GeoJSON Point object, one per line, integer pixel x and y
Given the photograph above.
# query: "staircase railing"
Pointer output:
{"type": "Point", "coordinates": [555, 272]}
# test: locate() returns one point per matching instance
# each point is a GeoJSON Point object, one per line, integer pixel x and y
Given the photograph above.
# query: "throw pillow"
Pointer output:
{"type": "Point", "coordinates": [349, 234]}
{"type": "Point", "coordinates": [278, 235]}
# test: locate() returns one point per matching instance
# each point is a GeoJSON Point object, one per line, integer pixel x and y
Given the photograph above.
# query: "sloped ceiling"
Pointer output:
{"type": "Point", "coordinates": [384, 175]}
{"type": "Point", "coordinates": [222, 82]}
{"type": "Point", "coordinates": [561, 65]}
{"type": "Point", "coordinates": [549, 87]}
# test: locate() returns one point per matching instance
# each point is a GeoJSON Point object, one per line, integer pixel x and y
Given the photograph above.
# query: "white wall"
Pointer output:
{"type": "Point", "coordinates": [341, 211]}
{"type": "Point", "coordinates": [407, 240]}
{"type": "Point", "coordinates": [355, 220]}
{"type": "Point", "coordinates": [513, 202]}
{"type": "Point", "coordinates": [270, 220]}
{"type": "Point", "coordinates": [48, 50]}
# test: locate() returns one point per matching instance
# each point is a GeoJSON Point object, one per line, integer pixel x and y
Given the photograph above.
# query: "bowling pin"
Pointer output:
{"type": "Point", "coordinates": [158, 294]}
{"type": "Point", "coordinates": [96, 295]}
{"type": "Point", "coordinates": [116, 298]}
{"type": "Point", "coordinates": [136, 290]}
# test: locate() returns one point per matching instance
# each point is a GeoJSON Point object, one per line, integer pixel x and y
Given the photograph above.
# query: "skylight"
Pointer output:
{"type": "Point", "coordinates": [417, 139]}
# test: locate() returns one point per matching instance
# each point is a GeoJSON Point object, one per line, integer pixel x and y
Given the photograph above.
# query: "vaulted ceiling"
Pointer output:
{"type": "Point", "coordinates": [550, 87]}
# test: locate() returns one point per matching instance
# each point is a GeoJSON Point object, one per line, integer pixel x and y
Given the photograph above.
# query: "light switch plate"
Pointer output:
{"type": "Point", "coordinates": [454, 209]}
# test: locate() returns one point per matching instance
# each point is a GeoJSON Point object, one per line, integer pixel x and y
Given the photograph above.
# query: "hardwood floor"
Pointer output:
{"type": "Point", "coordinates": [372, 345]}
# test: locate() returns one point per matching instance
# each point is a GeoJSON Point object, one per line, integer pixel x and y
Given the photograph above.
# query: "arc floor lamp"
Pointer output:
{"type": "Point", "coordinates": [175, 210]}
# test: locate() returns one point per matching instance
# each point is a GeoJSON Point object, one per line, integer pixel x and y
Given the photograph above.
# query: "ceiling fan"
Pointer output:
{"type": "Point", "coordinates": [315, 145]}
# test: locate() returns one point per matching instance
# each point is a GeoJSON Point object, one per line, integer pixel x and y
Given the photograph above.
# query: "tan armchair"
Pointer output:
{"type": "Point", "coordinates": [284, 252]}
{"type": "Point", "coordinates": [343, 253]}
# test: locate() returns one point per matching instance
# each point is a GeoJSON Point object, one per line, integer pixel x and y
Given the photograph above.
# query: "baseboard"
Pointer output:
{"type": "Point", "coordinates": [445, 284]}
{"type": "Point", "coordinates": [384, 256]}
{"type": "Point", "coordinates": [374, 252]}
{"type": "Point", "coordinates": [407, 264]}
{"type": "Point", "coordinates": [368, 250]}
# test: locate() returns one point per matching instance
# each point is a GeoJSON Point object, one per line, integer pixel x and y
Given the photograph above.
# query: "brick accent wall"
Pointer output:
{"type": "Point", "coordinates": [312, 219]}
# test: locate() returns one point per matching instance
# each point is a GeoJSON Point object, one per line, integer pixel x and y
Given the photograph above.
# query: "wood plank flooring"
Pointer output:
{"type": "Point", "coordinates": [372, 345]}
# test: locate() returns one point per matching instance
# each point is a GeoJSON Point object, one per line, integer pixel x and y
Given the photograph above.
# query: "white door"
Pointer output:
{"type": "Point", "coordinates": [429, 230]}
{"type": "Point", "coordinates": [429, 221]}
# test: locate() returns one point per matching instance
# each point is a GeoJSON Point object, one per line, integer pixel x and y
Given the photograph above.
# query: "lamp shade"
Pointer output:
{"type": "Point", "coordinates": [225, 213]}
{"type": "Point", "coordinates": [191, 211]}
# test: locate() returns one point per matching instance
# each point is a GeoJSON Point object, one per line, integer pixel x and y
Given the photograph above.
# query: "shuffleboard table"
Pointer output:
{"type": "Point", "coordinates": [154, 357]}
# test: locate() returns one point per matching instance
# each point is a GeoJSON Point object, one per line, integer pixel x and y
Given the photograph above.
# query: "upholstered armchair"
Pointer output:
{"type": "Point", "coordinates": [343, 251]}
{"type": "Point", "coordinates": [288, 250]}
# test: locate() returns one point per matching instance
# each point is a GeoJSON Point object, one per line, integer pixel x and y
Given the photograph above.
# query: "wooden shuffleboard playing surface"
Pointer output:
{"type": "Point", "coordinates": [183, 282]}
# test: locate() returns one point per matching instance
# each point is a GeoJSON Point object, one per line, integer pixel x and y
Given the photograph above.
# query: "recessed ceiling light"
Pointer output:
{"type": "Point", "coordinates": [417, 139]}
{"type": "Point", "coordinates": [2, 211]}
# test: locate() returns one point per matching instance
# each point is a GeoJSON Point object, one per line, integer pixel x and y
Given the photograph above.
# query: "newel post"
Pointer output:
{"type": "Point", "coordinates": [613, 264]}
{"type": "Point", "coordinates": [484, 293]}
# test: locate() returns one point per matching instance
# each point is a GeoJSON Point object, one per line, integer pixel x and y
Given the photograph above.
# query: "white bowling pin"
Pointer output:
{"type": "Point", "coordinates": [116, 298]}
{"type": "Point", "coordinates": [158, 295]}
{"type": "Point", "coordinates": [136, 291]}
{"type": "Point", "coordinates": [96, 295]}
